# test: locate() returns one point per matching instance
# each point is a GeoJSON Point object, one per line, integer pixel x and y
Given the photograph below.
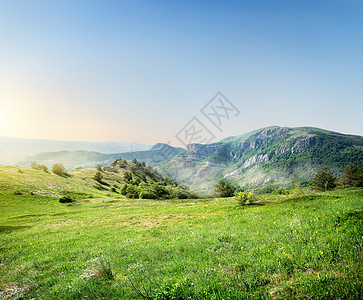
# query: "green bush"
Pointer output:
{"type": "Point", "coordinates": [98, 176]}
{"type": "Point", "coordinates": [281, 191]}
{"type": "Point", "coordinates": [59, 169]}
{"type": "Point", "coordinates": [18, 192]}
{"type": "Point", "coordinates": [66, 199]}
{"type": "Point", "coordinates": [244, 198]}
{"type": "Point", "coordinates": [36, 166]}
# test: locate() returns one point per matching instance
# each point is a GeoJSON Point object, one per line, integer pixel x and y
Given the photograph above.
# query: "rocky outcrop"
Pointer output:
{"type": "Point", "coordinates": [281, 150]}
{"type": "Point", "coordinates": [203, 150]}
{"type": "Point", "coordinates": [234, 173]}
{"type": "Point", "coordinates": [303, 145]}
{"type": "Point", "coordinates": [258, 158]}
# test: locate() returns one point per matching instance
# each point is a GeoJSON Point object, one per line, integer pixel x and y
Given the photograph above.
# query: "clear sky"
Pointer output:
{"type": "Point", "coordinates": [140, 70]}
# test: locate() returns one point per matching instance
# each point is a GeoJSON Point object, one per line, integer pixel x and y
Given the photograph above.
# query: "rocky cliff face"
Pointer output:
{"type": "Point", "coordinates": [203, 150]}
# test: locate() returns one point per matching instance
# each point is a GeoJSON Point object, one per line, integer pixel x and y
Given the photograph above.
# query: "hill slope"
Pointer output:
{"type": "Point", "coordinates": [275, 156]}
{"type": "Point", "coordinates": [121, 179]}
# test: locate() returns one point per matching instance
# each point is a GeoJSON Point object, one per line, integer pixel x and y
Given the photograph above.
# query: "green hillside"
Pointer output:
{"type": "Point", "coordinates": [81, 183]}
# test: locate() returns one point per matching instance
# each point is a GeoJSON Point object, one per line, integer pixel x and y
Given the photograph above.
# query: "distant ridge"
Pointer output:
{"type": "Point", "coordinates": [18, 148]}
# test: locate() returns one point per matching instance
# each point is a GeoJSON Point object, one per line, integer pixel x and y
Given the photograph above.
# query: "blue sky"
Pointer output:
{"type": "Point", "coordinates": [140, 70]}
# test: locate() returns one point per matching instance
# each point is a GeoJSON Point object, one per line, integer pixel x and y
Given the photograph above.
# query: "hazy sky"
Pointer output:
{"type": "Point", "coordinates": [140, 70]}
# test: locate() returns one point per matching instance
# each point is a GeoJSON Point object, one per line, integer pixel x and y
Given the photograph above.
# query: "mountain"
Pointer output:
{"type": "Point", "coordinates": [87, 159]}
{"type": "Point", "coordinates": [264, 159]}
{"type": "Point", "coordinates": [14, 149]}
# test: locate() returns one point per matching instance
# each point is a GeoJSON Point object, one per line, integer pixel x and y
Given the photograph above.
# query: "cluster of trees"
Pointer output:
{"type": "Point", "coordinates": [166, 189]}
{"type": "Point", "coordinates": [325, 180]}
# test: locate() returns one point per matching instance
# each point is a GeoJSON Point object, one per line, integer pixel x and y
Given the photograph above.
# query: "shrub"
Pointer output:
{"type": "Point", "coordinates": [244, 198]}
{"type": "Point", "coordinates": [99, 168]}
{"type": "Point", "coordinates": [59, 169]}
{"type": "Point", "coordinates": [281, 191]}
{"type": "Point", "coordinates": [44, 168]}
{"type": "Point", "coordinates": [34, 165]}
{"type": "Point", "coordinates": [98, 176]}
{"type": "Point", "coordinates": [18, 192]}
{"type": "Point", "coordinates": [66, 199]}
{"type": "Point", "coordinates": [102, 269]}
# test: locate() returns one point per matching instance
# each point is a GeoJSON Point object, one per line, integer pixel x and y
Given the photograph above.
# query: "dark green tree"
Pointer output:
{"type": "Point", "coordinates": [323, 180]}
{"type": "Point", "coordinates": [224, 189]}
{"type": "Point", "coordinates": [349, 175]}
{"type": "Point", "coordinates": [98, 176]}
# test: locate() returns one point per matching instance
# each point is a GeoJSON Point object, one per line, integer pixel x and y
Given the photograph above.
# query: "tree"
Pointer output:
{"type": "Point", "coordinates": [323, 180]}
{"type": "Point", "coordinates": [98, 176]}
{"type": "Point", "coordinates": [349, 175]}
{"type": "Point", "coordinates": [59, 169]}
{"type": "Point", "coordinates": [99, 168]}
{"type": "Point", "coordinates": [224, 189]}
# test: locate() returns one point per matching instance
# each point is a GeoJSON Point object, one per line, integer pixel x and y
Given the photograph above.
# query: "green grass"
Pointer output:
{"type": "Point", "coordinates": [284, 247]}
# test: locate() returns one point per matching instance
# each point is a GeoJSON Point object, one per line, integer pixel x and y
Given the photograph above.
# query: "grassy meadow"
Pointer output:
{"type": "Point", "coordinates": [283, 247]}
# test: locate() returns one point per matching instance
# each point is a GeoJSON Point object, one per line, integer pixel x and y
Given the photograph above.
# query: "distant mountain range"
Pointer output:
{"type": "Point", "coordinates": [262, 159]}
{"type": "Point", "coordinates": [89, 159]}
{"type": "Point", "coordinates": [13, 150]}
